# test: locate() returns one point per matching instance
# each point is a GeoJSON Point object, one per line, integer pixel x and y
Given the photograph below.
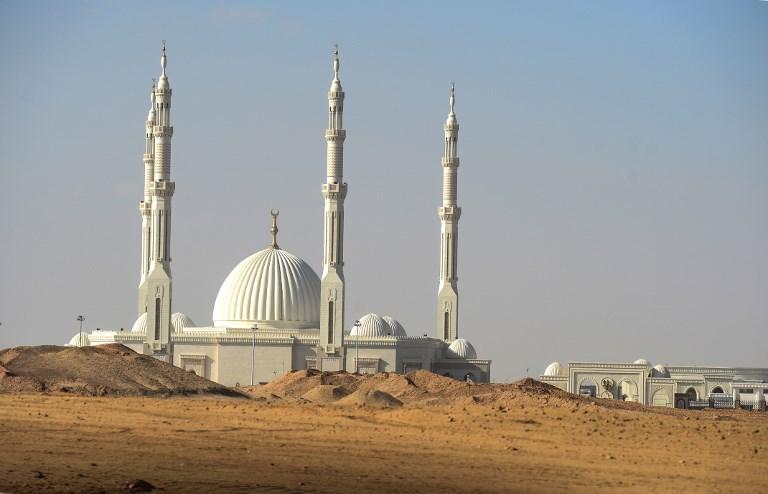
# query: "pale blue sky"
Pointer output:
{"type": "Point", "coordinates": [614, 173]}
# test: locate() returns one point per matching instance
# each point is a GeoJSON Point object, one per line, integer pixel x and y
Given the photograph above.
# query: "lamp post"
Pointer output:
{"type": "Point", "coordinates": [357, 347]}
{"type": "Point", "coordinates": [253, 352]}
{"type": "Point", "coordinates": [80, 334]}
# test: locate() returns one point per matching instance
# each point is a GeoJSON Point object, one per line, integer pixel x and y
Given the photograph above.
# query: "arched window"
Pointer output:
{"type": "Point", "coordinates": [330, 321]}
{"type": "Point", "coordinates": [717, 389]}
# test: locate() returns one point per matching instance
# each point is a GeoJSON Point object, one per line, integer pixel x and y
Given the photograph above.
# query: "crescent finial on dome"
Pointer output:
{"type": "Point", "coordinates": [273, 230]}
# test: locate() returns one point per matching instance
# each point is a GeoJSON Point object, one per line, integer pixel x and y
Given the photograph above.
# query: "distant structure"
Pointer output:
{"type": "Point", "coordinates": [663, 385]}
{"type": "Point", "coordinates": [273, 313]}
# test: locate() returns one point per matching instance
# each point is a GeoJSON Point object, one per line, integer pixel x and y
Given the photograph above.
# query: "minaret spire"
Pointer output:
{"type": "Point", "coordinates": [155, 289]}
{"type": "Point", "coordinates": [331, 349]}
{"type": "Point", "coordinates": [449, 212]}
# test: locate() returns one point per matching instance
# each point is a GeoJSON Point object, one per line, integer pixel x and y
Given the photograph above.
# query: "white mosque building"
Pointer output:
{"type": "Point", "coordinates": [273, 313]}
{"type": "Point", "coordinates": [673, 386]}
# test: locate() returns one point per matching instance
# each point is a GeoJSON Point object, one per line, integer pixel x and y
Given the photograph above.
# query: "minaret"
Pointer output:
{"type": "Point", "coordinates": [157, 296]}
{"type": "Point", "coordinates": [145, 206]}
{"type": "Point", "coordinates": [448, 292]}
{"type": "Point", "coordinates": [334, 192]}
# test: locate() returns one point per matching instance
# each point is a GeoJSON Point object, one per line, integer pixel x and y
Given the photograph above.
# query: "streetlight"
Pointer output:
{"type": "Point", "coordinates": [81, 319]}
{"type": "Point", "coordinates": [357, 347]}
{"type": "Point", "coordinates": [253, 351]}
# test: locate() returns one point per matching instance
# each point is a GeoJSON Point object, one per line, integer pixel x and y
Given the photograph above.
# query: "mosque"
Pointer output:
{"type": "Point", "coordinates": [273, 313]}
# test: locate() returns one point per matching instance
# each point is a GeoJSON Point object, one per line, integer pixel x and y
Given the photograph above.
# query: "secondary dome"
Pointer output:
{"type": "Point", "coordinates": [179, 321]}
{"type": "Point", "coordinates": [140, 326]}
{"type": "Point", "coordinates": [271, 288]}
{"type": "Point", "coordinates": [660, 371]}
{"type": "Point", "coordinates": [642, 361]}
{"type": "Point", "coordinates": [554, 370]}
{"type": "Point", "coordinates": [78, 341]}
{"type": "Point", "coordinates": [397, 329]}
{"type": "Point", "coordinates": [371, 326]}
{"type": "Point", "coordinates": [461, 348]}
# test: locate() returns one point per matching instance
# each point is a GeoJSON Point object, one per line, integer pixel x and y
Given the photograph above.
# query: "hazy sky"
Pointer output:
{"type": "Point", "coordinates": [613, 179]}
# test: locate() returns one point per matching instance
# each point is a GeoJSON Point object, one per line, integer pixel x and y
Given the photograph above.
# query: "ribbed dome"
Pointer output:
{"type": "Point", "coordinates": [140, 326]}
{"type": "Point", "coordinates": [461, 348]}
{"type": "Point", "coordinates": [75, 341]}
{"type": "Point", "coordinates": [273, 289]}
{"type": "Point", "coordinates": [397, 329]}
{"type": "Point", "coordinates": [554, 370]}
{"type": "Point", "coordinates": [372, 326]}
{"type": "Point", "coordinates": [179, 321]}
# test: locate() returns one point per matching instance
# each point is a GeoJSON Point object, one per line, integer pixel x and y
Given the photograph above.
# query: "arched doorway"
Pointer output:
{"type": "Point", "coordinates": [587, 387]}
{"type": "Point", "coordinates": [691, 394]}
{"type": "Point", "coordinates": [717, 390]}
{"type": "Point", "coordinates": [660, 398]}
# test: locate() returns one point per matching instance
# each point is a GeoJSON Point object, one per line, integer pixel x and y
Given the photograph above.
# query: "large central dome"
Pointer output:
{"type": "Point", "coordinates": [273, 289]}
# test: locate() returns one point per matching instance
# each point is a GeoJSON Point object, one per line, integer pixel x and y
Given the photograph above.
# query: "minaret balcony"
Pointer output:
{"type": "Point", "coordinates": [162, 188]}
{"type": "Point", "coordinates": [451, 162]}
{"type": "Point", "coordinates": [162, 131]}
{"type": "Point", "coordinates": [334, 191]}
{"type": "Point", "coordinates": [335, 134]}
{"type": "Point", "coordinates": [449, 213]}
{"type": "Point", "coordinates": [149, 157]}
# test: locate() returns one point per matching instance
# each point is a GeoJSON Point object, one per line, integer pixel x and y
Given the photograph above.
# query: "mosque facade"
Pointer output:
{"type": "Point", "coordinates": [672, 386]}
{"type": "Point", "coordinates": [273, 313]}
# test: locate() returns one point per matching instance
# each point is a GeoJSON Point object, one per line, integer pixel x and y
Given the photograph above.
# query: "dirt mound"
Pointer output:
{"type": "Point", "coordinates": [325, 393]}
{"type": "Point", "coordinates": [371, 398]}
{"type": "Point", "coordinates": [111, 369]}
{"type": "Point", "coordinates": [421, 387]}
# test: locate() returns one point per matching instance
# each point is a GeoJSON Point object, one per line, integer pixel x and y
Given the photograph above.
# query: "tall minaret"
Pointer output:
{"type": "Point", "coordinates": [157, 295]}
{"type": "Point", "coordinates": [145, 206]}
{"type": "Point", "coordinates": [334, 192]}
{"type": "Point", "coordinates": [448, 292]}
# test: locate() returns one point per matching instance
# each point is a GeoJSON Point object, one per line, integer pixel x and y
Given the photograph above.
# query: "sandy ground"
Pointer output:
{"type": "Point", "coordinates": [65, 443]}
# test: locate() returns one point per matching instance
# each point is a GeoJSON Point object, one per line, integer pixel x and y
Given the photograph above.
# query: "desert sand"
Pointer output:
{"type": "Point", "coordinates": [342, 433]}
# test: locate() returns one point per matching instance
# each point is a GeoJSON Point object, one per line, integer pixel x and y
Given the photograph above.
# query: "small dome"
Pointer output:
{"type": "Point", "coordinates": [461, 348]}
{"type": "Point", "coordinates": [140, 326]}
{"type": "Point", "coordinates": [179, 321]}
{"type": "Point", "coordinates": [397, 329]}
{"type": "Point", "coordinates": [660, 371]}
{"type": "Point", "coordinates": [271, 288]}
{"type": "Point", "coordinates": [642, 361]}
{"type": "Point", "coordinates": [371, 326]}
{"type": "Point", "coordinates": [77, 341]}
{"type": "Point", "coordinates": [554, 370]}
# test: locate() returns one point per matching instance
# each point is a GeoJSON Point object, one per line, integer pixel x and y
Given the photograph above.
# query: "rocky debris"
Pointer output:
{"type": "Point", "coordinates": [139, 485]}
{"type": "Point", "coordinates": [112, 369]}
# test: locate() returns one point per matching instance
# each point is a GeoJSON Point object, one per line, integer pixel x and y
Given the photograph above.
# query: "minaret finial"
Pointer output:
{"type": "Point", "coordinates": [163, 59]}
{"type": "Point", "coordinates": [453, 96]}
{"type": "Point", "coordinates": [273, 230]}
{"type": "Point", "coordinates": [336, 63]}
